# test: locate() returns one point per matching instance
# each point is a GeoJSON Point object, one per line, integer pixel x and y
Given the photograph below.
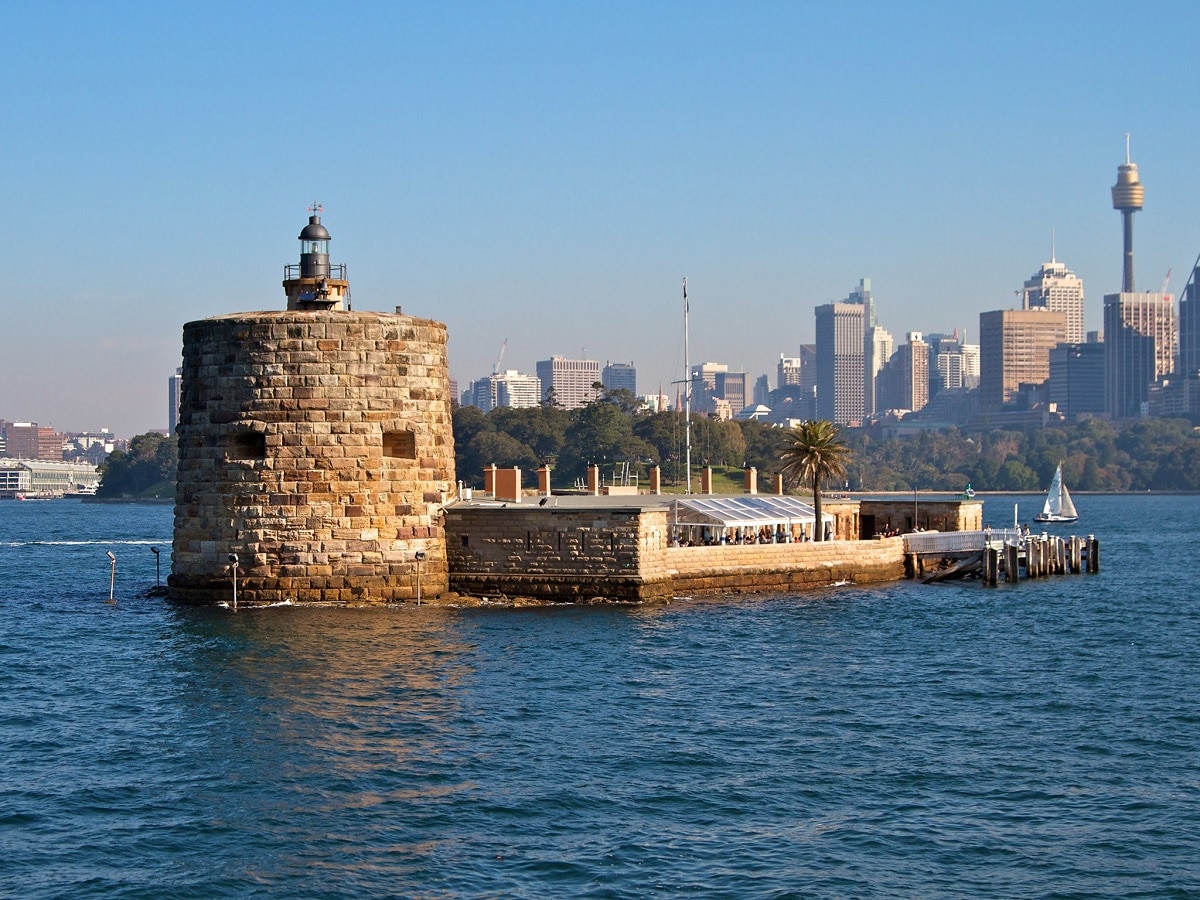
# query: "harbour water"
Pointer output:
{"type": "Point", "coordinates": [1038, 739]}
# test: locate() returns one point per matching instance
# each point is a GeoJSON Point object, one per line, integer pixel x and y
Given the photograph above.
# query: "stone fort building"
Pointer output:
{"type": "Point", "coordinates": [315, 449]}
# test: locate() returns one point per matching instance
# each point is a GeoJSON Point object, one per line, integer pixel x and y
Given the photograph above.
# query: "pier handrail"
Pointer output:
{"type": "Point", "coordinates": [958, 541]}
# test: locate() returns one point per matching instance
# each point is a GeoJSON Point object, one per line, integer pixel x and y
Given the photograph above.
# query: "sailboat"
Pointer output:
{"type": "Point", "coordinates": [1058, 506]}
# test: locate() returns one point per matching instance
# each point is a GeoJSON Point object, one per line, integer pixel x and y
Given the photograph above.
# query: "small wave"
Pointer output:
{"type": "Point", "coordinates": [111, 542]}
{"type": "Point", "coordinates": [225, 604]}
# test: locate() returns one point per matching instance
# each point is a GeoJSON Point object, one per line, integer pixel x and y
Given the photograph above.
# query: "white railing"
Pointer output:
{"type": "Point", "coordinates": [958, 541]}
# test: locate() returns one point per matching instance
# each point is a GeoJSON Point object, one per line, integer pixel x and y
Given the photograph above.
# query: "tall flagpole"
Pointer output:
{"type": "Point", "coordinates": [687, 374]}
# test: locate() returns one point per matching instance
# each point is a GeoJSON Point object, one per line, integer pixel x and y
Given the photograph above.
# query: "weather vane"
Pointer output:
{"type": "Point", "coordinates": [316, 208]}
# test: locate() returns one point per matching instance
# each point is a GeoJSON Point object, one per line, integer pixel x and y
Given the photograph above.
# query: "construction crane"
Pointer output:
{"type": "Point", "coordinates": [500, 358]}
{"type": "Point", "coordinates": [1166, 283]}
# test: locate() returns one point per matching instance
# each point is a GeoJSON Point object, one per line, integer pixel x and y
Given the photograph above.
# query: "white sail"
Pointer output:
{"type": "Point", "coordinates": [1058, 506]}
{"type": "Point", "coordinates": [1053, 504]}
{"type": "Point", "coordinates": [1066, 507]}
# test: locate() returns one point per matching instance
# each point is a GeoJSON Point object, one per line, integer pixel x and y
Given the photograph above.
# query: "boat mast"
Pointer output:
{"type": "Point", "coordinates": [687, 393]}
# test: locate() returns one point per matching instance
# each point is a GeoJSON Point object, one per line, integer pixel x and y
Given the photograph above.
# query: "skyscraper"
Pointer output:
{"type": "Point", "coordinates": [1139, 339]}
{"type": "Point", "coordinates": [970, 365]}
{"type": "Point", "coordinates": [174, 389]}
{"type": "Point", "coordinates": [945, 362]}
{"type": "Point", "coordinates": [1014, 349]}
{"type": "Point", "coordinates": [762, 391]}
{"type": "Point", "coordinates": [620, 376]}
{"type": "Point", "coordinates": [877, 350]}
{"type": "Point", "coordinates": [731, 387]}
{"type": "Point", "coordinates": [508, 388]}
{"type": "Point", "coordinates": [794, 394]}
{"type": "Point", "coordinates": [570, 383]}
{"type": "Point", "coordinates": [1076, 383]}
{"type": "Point", "coordinates": [1189, 328]}
{"type": "Point", "coordinates": [840, 334]}
{"type": "Point", "coordinates": [1057, 288]}
{"type": "Point", "coordinates": [904, 381]}
{"type": "Point", "coordinates": [704, 386]}
{"type": "Point", "coordinates": [862, 294]}
{"type": "Point", "coordinates": [808, 368]}
{"type": "Point", "coordinates": [788, 372]}
{"type": "Point", "coordinates": [914, 368]}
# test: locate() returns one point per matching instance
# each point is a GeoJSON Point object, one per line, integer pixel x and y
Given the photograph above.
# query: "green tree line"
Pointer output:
{"type": "Point", "coordinates": [1149, 454]}
{"type": "Point", "coordinates": [146, 469]}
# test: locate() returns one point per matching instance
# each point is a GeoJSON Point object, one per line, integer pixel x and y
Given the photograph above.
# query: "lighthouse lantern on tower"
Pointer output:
{"type": "Point", "coordinates": [314, 284]}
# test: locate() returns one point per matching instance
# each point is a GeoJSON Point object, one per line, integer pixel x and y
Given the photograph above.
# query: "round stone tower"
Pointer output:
{"type": "Point", "coordinates": [315, 452]}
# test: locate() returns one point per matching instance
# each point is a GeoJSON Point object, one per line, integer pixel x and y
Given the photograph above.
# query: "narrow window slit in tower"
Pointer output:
{"type": "Point", "coordinates": [247, 445]}
{"type": "Point", "coordinates": [400, 444]}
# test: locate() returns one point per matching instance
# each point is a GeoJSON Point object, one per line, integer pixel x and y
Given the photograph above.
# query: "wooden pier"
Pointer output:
{"type": "Point", "coordinates": [1005, 555]}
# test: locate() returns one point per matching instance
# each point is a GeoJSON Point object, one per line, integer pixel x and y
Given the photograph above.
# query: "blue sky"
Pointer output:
{"type": "Point", "coordinates": [548, 172]}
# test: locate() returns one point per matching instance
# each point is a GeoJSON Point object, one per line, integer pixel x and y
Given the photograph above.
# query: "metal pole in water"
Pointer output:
{"type": "Point", "coordinates": [418, 556]}
{"type": "Point", "coordinates": [112, 578]}
{"type": "Point", "coordinates": [157, 568]}
{"type": "Point", "coordinates": [233, 563]}
{"type": "Point", "coordinates": [687, 393]}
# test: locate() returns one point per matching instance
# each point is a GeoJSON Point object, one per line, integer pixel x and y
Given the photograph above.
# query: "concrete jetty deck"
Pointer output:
{"type": "Point", "coordinates": [1007, 555]}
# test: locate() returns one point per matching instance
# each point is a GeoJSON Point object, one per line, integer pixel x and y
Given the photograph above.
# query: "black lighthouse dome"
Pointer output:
{"type": "Point", "coordinates": [314, 230]}
{"type": "Point", "coordinates": [314, 248]}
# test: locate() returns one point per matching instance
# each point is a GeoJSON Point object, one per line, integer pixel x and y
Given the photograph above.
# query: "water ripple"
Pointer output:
{"type": "Point", "coordinates": [899, 740]}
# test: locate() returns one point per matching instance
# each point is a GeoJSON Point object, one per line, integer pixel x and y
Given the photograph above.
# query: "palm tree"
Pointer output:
{"type": "Point", "coordinates": [815, 455]}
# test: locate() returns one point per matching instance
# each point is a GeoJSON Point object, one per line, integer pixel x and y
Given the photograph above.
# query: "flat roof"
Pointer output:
{"type": "Point", "coordinates": [726, 510]}
{"type": "Point", "coordinates": [745, 511]}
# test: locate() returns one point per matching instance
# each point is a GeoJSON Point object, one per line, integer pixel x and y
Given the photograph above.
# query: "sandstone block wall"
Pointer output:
{"type": "Point", "coordinates": [845, 517]}
{"type": "Point", "coordinates": [760, 568]}
{"type": "Point", "coordinates": [549, 553]}
{"type": "Point", "coordinates": [625, 555]}
{"type": "Point", "coordinates": [931, 515]}
{"type": "Point", "coordinates": [318, 447]}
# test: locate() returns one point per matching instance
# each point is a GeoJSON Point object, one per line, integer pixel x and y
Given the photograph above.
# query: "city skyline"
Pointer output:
{"type": "Point", "coordinates": [549, 174]}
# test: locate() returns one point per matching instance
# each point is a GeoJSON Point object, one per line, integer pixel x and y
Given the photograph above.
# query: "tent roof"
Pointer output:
{"type": "Point", "coordinates": [750, 510]}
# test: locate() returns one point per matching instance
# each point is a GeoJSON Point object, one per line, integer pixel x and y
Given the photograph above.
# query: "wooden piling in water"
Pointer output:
{"type": "Point", "coordinates": [1011, 563]}
{"type": "Point", "coordinates": [1041, 556]}
{"type": "Point", "coordinates": [1093, 554]}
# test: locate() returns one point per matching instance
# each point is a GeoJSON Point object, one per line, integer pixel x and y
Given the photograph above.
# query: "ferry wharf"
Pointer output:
{"type": "Point", "coordinates": [1005, 554]}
